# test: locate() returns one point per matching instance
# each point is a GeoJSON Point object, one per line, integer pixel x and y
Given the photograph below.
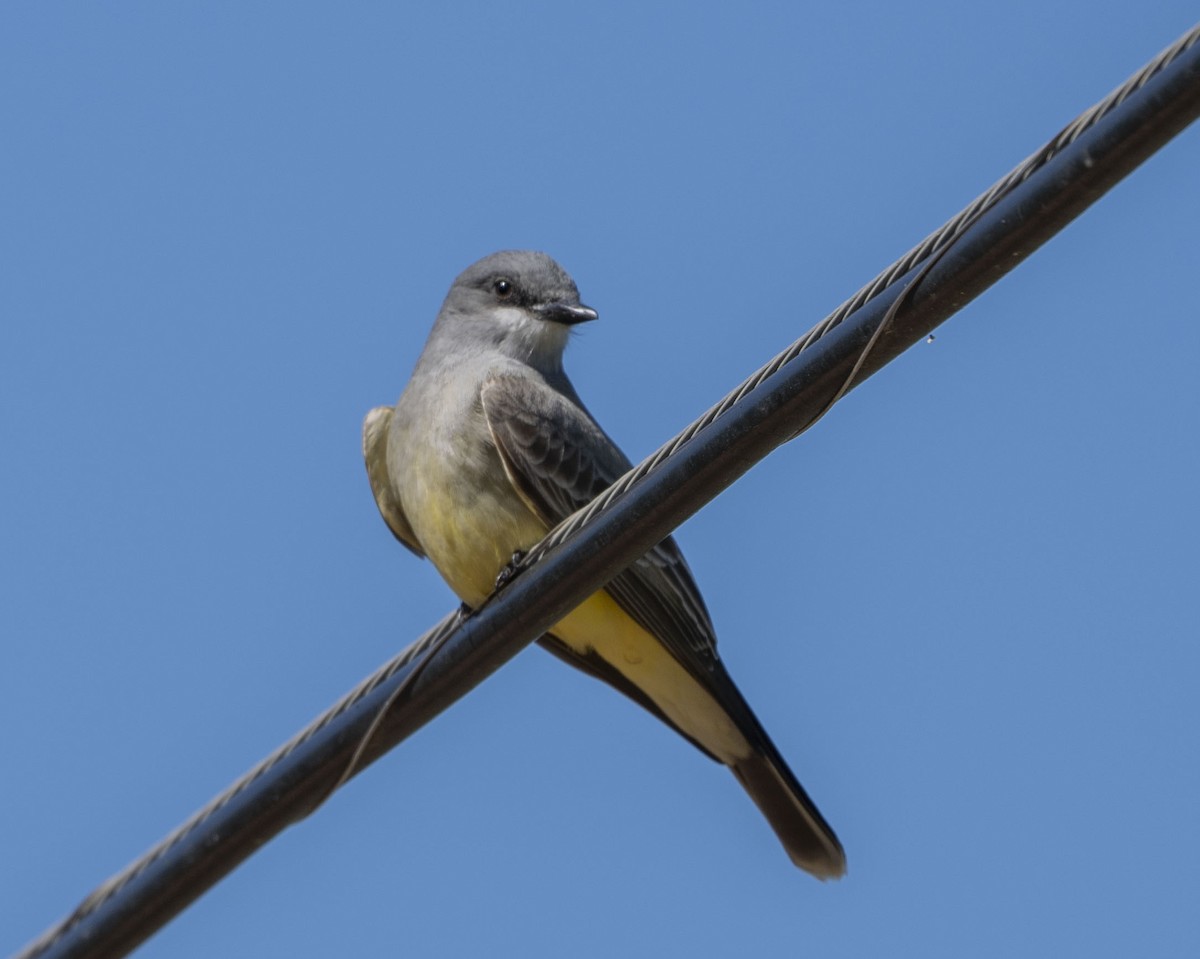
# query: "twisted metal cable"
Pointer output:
{"type": "Point", "coordinates": [923, 253]}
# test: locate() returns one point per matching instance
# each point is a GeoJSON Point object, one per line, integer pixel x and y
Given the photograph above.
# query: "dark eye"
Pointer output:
{"type": "Point", "coordinates": [503, 288]}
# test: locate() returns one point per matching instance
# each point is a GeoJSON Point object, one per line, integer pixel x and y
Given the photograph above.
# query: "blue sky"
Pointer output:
{"type": "Point", "coordinates": [965, 605]}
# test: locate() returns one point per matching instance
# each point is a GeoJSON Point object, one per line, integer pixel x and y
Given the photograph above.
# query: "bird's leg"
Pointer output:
{"type": "Point", "coordinates": [511, 568]}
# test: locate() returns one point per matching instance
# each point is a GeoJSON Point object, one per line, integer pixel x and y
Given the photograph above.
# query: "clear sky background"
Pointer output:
{"type": "Point", "coordinates": [965, 606]}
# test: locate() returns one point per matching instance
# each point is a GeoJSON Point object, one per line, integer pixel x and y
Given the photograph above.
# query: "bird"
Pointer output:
{"type": "Point", "coordinates": [488, 447]}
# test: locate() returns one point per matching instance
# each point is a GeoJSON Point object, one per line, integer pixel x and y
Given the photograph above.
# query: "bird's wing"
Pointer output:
{"type": "Point", "coordinates": [375, 430]}
{"type": "Point", "coordinates": [559, 459]}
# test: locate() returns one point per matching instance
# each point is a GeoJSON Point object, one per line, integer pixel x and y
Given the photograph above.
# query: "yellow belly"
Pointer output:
{"type": "Point", "coordinates": [471, 546]}
{"type": "Point", "coordinates": [601, 625]}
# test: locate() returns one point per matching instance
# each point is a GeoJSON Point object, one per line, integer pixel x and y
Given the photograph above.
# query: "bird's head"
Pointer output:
{"type": "Point", "coordinates": [520, 301]}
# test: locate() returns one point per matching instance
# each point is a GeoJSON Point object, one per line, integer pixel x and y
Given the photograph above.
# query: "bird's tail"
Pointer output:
{"type": "Point", "coordinates": [805, 835]}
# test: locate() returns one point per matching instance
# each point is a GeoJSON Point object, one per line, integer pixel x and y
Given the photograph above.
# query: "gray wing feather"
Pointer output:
{"type": "Point", "coordinates": [376, 427]}
{"type": "Point", "coordinates": [559, 460]}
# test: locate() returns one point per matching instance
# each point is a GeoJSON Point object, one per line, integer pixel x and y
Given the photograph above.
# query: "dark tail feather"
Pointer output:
{"type": "Point", "coordinates": [805, 835]}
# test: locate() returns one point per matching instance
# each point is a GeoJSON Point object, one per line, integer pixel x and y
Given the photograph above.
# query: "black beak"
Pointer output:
{"type": "Point", "coordinates": [566, 313]}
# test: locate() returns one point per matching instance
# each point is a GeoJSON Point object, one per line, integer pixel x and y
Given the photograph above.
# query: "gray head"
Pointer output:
{"type": "Point", "coordinates": [519, 301]}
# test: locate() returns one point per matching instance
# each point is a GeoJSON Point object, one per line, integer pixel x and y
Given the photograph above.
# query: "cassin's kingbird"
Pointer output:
{"type": "Point", "coordinates": [489, 447]}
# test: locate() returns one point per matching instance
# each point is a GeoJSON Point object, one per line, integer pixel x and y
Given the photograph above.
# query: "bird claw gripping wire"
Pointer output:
{"type": "Point", "coordinates": [510, 571]}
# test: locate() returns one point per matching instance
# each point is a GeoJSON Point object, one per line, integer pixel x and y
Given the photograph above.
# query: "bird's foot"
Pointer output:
{"type": "Point", "coordinates": [511, 568]}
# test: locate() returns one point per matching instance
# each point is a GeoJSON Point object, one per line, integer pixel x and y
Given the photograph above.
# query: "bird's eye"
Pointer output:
{"type": "Point", "coordinates": [503, 288]}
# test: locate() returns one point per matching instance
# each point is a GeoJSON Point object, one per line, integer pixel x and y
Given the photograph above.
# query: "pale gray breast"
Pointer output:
{"type": "Point", "coordinates": [451, 481]}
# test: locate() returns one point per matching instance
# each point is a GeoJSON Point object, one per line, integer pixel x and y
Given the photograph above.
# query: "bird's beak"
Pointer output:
{"type": "Point", "coordinates": [566, 313]}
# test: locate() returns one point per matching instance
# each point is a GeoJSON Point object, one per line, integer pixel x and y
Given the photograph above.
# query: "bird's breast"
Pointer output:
{"type": "Point", "coordinates": [458, 499]}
